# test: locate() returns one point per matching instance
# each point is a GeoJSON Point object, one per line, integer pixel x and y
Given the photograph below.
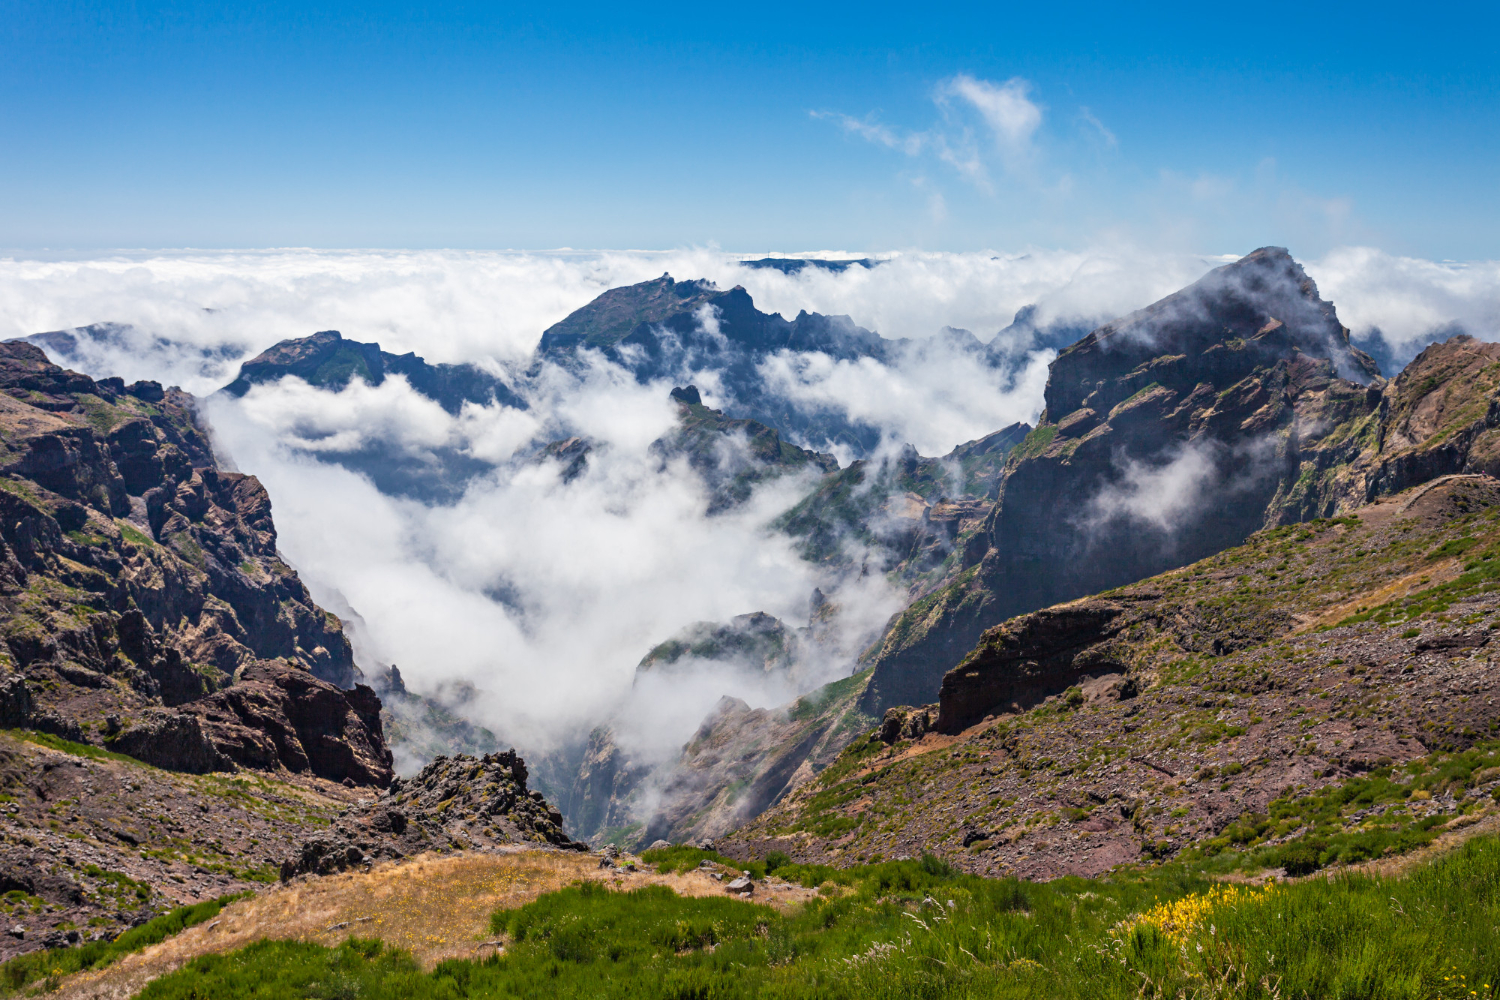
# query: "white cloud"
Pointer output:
{"type": "Point", "coordinates": [1406, 298]}
{"type": "Point", "coordinates": [873, 131]}
{"type": "Point", "coordinates": [543, 595]}
{"type": "Point", "coordinates": [1005, 111]}
{"type": "Point", "coordinates": [933, 400]}
{"type": "Point", "coordinates": [1160, 494]}
{"type": "Point", "coordinates": [1007, 108]}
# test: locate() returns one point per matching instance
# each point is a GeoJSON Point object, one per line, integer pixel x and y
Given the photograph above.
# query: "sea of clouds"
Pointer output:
{"type": "Point", "coordinates": [544, 594]}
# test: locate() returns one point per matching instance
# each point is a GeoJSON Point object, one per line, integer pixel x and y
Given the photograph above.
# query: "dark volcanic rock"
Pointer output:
{"type": "Point", "coordinates": [276, 713]}
{"type": "Point", "coordinates": [137, 577]}
{"type": "Point", "coordinates": [460, 802]}
{"type": "Point", "coordinates": [171, 740]}
{"type": "Point", "coordinates": [1170, 434]}
{"type": "Point", "coordinates": [1027, 659]}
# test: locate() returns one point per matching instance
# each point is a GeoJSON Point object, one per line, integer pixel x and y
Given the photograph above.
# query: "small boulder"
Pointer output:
{"type": "Point", "coordinates": [659, 845]}
{"type": "Point", "coordinates": [741, 884]}
{"type": "Point", "coordinates": [974, 836]}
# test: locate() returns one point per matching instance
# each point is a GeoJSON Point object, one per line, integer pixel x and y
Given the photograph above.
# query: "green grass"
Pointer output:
{"type": "Point", "coordinates": [1358, 819]}
{"type": "Point", "coordinates": [913, 930]}
{"type": "Point", "coordinates": [47, 966]}
{"type": "Point", "coordinates": [68, 746]}
{"type": "Point", "coordinates": [134, 535]}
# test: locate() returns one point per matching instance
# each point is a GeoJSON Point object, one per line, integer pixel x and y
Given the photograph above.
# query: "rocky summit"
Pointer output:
{"type": "Point", "coordinates": [459, 802]}
{"type": "Point", "coordinates": [1175, 432]}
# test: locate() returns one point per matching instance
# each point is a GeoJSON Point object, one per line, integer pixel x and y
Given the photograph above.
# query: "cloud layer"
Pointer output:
{"type": "Point", "coordinates": [544, 594]}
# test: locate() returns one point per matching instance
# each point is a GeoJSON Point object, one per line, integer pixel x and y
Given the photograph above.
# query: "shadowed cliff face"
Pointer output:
{"type": "Point", "coordinates": [143, 604]}
{"type": "Point", "coordinates": [1169, 435]}
{"type": "Point", "coordinates": [327, 359]}
{"type": "Point", "coordinates": [667, 329]}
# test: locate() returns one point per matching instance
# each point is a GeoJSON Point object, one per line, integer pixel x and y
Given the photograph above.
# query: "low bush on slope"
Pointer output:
{"type": "Point", "coordinates": [54, 963]}
{"type": "Point", "coordinates": [914, 929]}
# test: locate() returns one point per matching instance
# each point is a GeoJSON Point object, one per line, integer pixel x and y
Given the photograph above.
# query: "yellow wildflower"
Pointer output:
{"type": "Point", "coordinates": [1179, 919]}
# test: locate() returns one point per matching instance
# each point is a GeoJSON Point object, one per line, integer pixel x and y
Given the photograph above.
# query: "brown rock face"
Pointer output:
{"type": "Point", "coordinates": [463, 802]}
{"type": "Point", "coordinates": [1022, 662]}
{"type": "Point", "coordinates": [137, 577]}
{"type": "Point", "coordinates": [276, 714]}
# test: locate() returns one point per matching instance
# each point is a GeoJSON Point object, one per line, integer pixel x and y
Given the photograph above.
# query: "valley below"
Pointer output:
{"type": "Point", "coordinates": [1183, 686]}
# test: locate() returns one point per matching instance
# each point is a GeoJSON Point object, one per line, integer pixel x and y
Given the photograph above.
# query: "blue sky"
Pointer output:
{"type": "Point", "coordinates": [1209, 128]}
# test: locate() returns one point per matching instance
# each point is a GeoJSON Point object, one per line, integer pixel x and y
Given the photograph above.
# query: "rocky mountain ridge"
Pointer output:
{"type": "Point", "coordinates": [1178, 431]}
{"type": "Point", "coordinates": [143, 603]}
{"type": "Point", "coordinates": [668, 329]}
{"type": "Point", "coordinates": [1177, 711]}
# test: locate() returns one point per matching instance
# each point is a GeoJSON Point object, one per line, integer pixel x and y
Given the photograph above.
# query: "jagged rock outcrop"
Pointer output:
{"type": "Point", "coordinates": [279, 715]}
{"type": "Point", "coordinates": [458, 802]}
{"type": "Point", "coordinates": [1028, 659]}
{"type": "Point", "coordinates": [732, 456]}
{"type": "Point", "coordinates": [136, 577]}
{"type": "Point", "coordinates": [1168, 435]}
{"type": "Point", "coordinates": [173, 741]}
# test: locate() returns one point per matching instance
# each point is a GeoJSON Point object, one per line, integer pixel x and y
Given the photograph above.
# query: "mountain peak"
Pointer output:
{"type": "Point", "coordinates": [1263, 307]}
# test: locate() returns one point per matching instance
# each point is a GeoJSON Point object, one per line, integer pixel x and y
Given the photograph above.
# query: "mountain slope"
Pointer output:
{"type": "Point", "coordinates": [1181, 708]}
{"type": "Point", "coordinates": [667, 329]}
{"type": "Point", "coordinates": [143, 604]}
{"type": "Point", "coordinates": [1174, 433]}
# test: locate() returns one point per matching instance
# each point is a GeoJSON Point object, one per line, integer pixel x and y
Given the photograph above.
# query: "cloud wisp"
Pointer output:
{"type": "Point", "coordinates": [982, 125]}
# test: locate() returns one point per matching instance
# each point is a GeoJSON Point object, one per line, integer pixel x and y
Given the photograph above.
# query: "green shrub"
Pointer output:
{"type": "Point", "coordinates": [915, 929]}
{"type": "Point", "coordinates": [18, 972]}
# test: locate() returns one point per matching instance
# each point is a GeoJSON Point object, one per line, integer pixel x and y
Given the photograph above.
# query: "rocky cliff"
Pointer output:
{"type": "Point", "coordinates": [1189, 709]}
{"type": "Point", "coordinates": [143, 604]}
{"type": "Point", "coordinates": [1175, 432]}
{"type": "Point", "coordinates": [460, 802]}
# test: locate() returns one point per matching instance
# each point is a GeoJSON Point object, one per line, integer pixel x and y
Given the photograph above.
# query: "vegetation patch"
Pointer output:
{"type": "Point", "coordinates": [47, 967]}
{"type": "Point", "coordinates": [907, 931]}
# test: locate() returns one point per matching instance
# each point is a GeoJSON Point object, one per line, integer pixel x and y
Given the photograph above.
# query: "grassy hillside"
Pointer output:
{"type": "Point", "coordinates": [1161, 716]}
{"type": "Point", "coordinates": [920, 929]}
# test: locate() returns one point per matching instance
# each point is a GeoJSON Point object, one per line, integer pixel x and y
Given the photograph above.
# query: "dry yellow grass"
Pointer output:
{"type": "Point", "coordinates": [435, 906]}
